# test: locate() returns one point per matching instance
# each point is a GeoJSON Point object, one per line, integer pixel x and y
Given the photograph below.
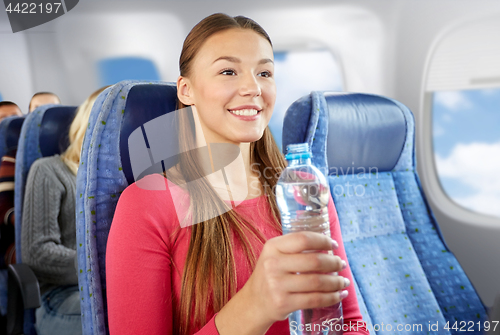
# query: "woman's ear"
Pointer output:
{"type": "Point", "coordinates": [184, 91]}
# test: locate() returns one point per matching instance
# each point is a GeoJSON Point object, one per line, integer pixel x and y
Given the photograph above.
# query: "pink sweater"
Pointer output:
{"type": "Point", "coordinates": [145, 260]}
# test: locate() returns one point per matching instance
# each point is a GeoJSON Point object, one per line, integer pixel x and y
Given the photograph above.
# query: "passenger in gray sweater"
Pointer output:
{"type": "Point", "coordinates": [49, 230]}
{"type": "Point", "coordinates": [48, 240]}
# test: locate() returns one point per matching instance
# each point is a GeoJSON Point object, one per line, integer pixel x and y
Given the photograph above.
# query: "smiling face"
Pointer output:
{"type": "Point", "coordinates": [231, 86]}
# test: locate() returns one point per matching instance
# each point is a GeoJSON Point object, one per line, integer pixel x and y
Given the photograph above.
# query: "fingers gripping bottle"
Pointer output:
{"type": "Point", "coordinates": [302, 194]}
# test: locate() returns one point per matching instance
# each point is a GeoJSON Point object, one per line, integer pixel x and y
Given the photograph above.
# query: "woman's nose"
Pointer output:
{"type": "Point", "coordinates": [250, 86]}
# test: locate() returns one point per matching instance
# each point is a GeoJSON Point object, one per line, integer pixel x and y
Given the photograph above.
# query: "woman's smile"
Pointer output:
{"type": "Point", "coordinates": [247, 112]}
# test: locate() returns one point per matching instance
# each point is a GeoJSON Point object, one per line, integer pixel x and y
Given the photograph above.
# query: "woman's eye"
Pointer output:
{"type": "Point", "coordinates": [228, 72]}
{"type": "Point", "coordinates": [265, 74]}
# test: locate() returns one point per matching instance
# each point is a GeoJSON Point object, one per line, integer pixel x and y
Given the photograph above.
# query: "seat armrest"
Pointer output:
{"type": "Point", "coordinates": [25, 280]}
{"type": "Point", "coordinates": [24, 293]}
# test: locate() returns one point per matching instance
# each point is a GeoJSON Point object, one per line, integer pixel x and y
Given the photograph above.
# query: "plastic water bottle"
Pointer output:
{"type": "Point", "coordinates": [302, 194]}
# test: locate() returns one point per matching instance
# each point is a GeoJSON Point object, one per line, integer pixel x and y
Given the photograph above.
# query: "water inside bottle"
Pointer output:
{"type": "Point", "coordinates": [303, 204]}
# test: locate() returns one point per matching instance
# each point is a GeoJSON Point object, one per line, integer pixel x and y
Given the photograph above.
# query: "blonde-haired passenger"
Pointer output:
{"type": "Point", "coordinates": [77, 132]}
{"type": "Point", "coordinates": [49, 231]}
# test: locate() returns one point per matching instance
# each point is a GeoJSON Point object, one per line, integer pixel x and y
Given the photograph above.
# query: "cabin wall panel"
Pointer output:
{"type": "Point", "coordinates": [45, 58]}
{"type": "Point", "coordinates": [15, 68]}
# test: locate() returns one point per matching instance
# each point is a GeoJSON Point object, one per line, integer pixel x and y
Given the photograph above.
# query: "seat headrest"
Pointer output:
{"type": "Point", "coordinates": [12, 133]}
{"type": "Point", "coordinates": [370, 129]}
{"type": "Point", "coordinates": [145, 103]}
{"type": "Point", "coordinates": [352, 133]}
{"type": "Point", "coordinates": [54, 129]}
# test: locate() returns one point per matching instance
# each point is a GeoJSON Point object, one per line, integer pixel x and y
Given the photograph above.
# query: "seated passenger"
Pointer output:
{"type": "Point", "coordinates": [7, 169]}
{"type": "Point", "coordinates": [43, 98]}
{"type": "Point", "coordinates": [8, 108]}
{"type": "Point", "coordinates": [49, 231]}
{"type": "Point", "coordinates": [172, 266]}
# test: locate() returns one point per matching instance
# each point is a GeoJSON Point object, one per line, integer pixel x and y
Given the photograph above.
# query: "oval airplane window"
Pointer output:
{"type": "Point", "coordinates": [297, 73]}
{"type": "Point", "coordinates": [463, 92]}
{"type": "Point", "coordinates": [466, 132]}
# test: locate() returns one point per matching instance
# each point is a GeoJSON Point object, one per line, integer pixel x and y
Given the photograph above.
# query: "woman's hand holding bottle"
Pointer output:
{"type": "Point", "coordinates": [293, 272]}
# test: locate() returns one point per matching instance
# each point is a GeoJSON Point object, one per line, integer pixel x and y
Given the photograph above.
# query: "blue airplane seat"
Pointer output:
{"type": "Point", "coordinates": [105, 171]}
{"type": "Point", "coordinates": [405, 272]}
{"type": "Point", "coordinates": [43, 133]}
{"type": "Point", "coordinates": [3, 129]}
{"type": "Point", "coordinates": [13, 132]}
{"type": "Point", "coordinates": [10, 128]}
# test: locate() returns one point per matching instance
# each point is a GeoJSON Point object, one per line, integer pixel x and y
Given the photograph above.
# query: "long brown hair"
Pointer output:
{"type": "Point", "coordinates": [209, 278]}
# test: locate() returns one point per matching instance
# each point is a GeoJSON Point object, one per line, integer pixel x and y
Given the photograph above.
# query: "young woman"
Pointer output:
{"type": "Point", "coordinates": [232, 272]}
{"type": "Point", "coordinates": [49, 231]}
